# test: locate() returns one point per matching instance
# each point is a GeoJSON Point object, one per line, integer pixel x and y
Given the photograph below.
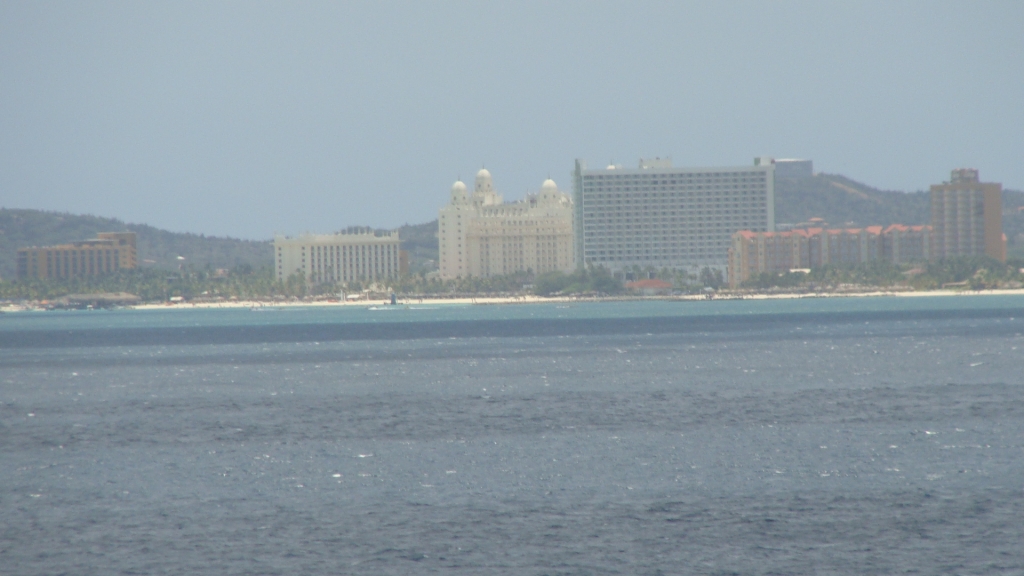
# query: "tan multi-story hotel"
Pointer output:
{"type": "Point", "coordinates": [108, 252]}
{"type": "Point", "coordinates": [481, 235]}
{"type": "Point", "coordinates": [359, 255]}
{"type": "Point", "coordinates": [967, 216]}
{"type": "Point", "coordinates": [752, 252]}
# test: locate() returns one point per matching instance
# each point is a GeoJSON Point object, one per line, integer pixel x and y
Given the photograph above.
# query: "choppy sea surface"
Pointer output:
{"type": "Point", "coordinates": [825, 436]}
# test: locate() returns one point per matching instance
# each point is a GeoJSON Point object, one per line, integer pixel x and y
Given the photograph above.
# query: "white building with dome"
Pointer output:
{"type": "Point", "coordinates": [481, 235]}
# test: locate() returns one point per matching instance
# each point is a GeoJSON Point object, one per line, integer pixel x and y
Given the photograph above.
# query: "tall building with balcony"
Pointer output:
{"type": "Point", "coordinates": [361, 255]}
{"type": "Point", "coordinates": [967, 217]}
{"type": "Point", "coordinates": [108, 252]}
{"type": "Point", "coordinates": [481, 235]}
{"type": "Point", "coordinates": [664, 217]}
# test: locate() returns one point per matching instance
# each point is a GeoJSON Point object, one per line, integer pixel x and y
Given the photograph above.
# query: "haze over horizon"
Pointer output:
{"type": "Point", "coordinates": [248, 120]}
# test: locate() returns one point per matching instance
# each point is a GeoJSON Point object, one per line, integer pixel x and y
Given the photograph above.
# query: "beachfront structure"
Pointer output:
{"type": "Point", "coordinates": [359, 254]}
{"type": "Point", "coordinates": [753, 252]}
{"type": "Point", "coordinates": [481, 235]}
{"type": "Point", "coordinates": [108, 252]}
{"type": "Point", "coordinates": [664, 217]}
{"type": "Point", "coordinates": [967, 217]}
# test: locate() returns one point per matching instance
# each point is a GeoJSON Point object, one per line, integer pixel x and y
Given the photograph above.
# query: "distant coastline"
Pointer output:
{"type": "Point", "coordinates": [530, 299]}
{"type": "Point", "coordinates": [269, 304]}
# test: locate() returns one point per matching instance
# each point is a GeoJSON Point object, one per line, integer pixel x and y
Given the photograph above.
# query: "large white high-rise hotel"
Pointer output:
{"type": "Point", "coordinates": [664, 217]}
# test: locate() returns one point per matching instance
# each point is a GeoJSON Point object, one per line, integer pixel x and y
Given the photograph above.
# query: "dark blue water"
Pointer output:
{"type": "Point", "coordinates": [853, 436]}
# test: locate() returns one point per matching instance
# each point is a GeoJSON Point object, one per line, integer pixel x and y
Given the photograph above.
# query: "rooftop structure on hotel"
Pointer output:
{"type": "Point", "coordinates": [664, 217]}
{"type": "Point", "coordinates": [108, 252]}
{"type": "Point", "coordinates": [791, 167]}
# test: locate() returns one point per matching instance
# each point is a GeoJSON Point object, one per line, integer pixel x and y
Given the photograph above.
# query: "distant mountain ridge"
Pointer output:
{"type": "Point", "coordinates": [157, 248]}
{"type": "Point", "coordinates": [844, 202]}
{"type": "Point", "coordinates": [839, 200]}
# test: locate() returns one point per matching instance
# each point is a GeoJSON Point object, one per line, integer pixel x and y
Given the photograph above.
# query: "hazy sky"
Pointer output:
{"type": "Point", "coordinates": [249, 119]}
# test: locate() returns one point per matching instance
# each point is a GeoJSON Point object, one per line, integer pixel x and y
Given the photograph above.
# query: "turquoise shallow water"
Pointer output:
{"type": "Point", "coordinates": [185, 317]}
{"type": "Point", "coordinates": [836, 436]}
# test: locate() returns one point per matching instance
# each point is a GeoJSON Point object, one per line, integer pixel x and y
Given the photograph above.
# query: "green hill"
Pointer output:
{"type": "Point", "coordinates": [157, 248]}
{"type": "Point", "coordinates": [420, 241]}
{"type": "Point", "coordinates": [841, 201]}
{"type": "Point", "coordinates": [160, 249]}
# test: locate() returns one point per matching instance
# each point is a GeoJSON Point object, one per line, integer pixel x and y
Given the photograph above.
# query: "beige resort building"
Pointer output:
{"type": "Point", "coordinates": [357, 255]}
{"type": "Point", "coordinates": [481, 235]}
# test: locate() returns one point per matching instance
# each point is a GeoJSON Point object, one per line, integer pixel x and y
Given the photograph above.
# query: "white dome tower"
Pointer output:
{"type": "Point", "coordinates": [483, 182]}
{"type": "Point", "coordinates": [548, 191]}
{"type": "Point", "coordinates": [459, 193]}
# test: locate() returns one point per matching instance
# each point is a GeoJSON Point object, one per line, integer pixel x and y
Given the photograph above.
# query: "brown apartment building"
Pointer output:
{"type": "Point", "coordinates": [967, 217]}
{"type": "Point", "coordinates": [108, 252]}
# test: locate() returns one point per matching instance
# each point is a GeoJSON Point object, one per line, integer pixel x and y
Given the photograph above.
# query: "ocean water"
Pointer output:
{"type": "Point", "coordinates": [825, 436]}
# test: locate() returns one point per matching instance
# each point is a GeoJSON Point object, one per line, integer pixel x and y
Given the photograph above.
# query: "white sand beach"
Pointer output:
{"type": "Point", "coordinates": [531, 299]}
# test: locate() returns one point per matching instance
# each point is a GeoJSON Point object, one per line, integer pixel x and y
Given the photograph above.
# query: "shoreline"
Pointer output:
{"type": "Point", "coordinates": [506, 300]}
{"type": "Point", "coordinates": [531, 299]}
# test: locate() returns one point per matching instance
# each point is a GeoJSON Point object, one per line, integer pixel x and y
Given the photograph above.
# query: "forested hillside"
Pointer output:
{"type": "Point", "coordinates": [157, 248]}
{"type": "Point", "coordinates": [160, 248]}
{"type": "Point", "coordinates": [841, 201]}
{"type": "Point", "coordinates": [420, 241]}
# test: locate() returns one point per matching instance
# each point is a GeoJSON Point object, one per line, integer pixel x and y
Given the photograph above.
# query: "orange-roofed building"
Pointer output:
{"type": "Point", "coordinates": [853, 245]}
{"type": "Point", "coordinates": [752, 253]}
{"type": "Point", "coordinates": [902, 243]}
